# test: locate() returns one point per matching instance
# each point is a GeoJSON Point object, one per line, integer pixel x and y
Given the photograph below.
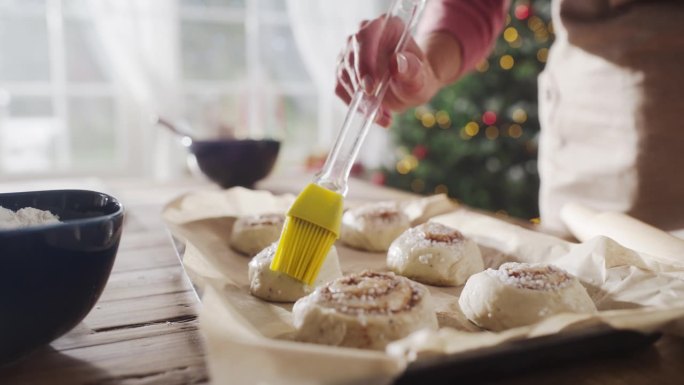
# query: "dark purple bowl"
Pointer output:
{"type": "Point", "coordinates": [53, 274]}
{"type": "Point", "coordinates": [235, 162]}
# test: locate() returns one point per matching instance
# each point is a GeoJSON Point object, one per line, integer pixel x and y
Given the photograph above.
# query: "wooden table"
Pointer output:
{"type": "Point", "coordinates": [144, 328]}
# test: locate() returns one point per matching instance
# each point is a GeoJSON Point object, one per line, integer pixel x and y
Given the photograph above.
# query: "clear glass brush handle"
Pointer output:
{"type": "Point", "coordinates": [364, 108]}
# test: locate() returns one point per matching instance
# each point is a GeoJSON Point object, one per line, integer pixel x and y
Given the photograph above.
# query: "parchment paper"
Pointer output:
{"type": "Point", "coordinates": [247, 338]}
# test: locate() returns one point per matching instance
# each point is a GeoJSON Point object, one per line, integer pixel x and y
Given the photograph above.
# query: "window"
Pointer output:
{"type": "Point", "coordinates": [71, 104]}
{"type": "Point", "coordinates": [242, 73]}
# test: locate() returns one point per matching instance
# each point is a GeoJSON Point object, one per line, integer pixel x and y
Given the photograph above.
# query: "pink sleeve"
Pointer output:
{"type": "Point", "coordinates": [474, 23]}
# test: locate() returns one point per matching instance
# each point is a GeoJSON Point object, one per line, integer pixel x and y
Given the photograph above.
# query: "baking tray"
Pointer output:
{"type": "Point", "coordinates": [510, 359]}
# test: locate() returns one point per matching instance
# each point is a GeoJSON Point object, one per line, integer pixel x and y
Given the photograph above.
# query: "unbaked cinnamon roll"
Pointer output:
{"type": "Point", "coordinates": [435, 254]}
{"type": "Point", "coordinates": [253, 233]}
{"type": "Point", "coordinates": [519, 294]}
{"type": "Point", "coordinates": [373, 226]}
{"type": "Point", "coordinates": [275, 286]}
{"type": "Point", "coordinates": [366, 310]}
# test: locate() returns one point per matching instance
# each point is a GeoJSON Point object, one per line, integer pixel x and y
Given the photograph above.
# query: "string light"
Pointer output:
{"type": "Point", "coordinates": [412, 161]}
{"type": "Point", "coordinates": [482, 66]}
{"type": "Point", "coordinates": [420, 111]}
{"type": "Point", "coordinates": [550, 28]}
{"type": "Point", "coordinates": [519, 115]}
{"type": "Point", "coordinates": [402, 167]}
{"type": "Point", "coordinates": [536, 221]}
{"type": "Point", "coordinates": [471, 128]}
{"type": "Point", "coordinates": [535, 23]}
{"type": "Point", "coordinates": [464, 135]}
{"type": "Point", "coordinates": [516, 44]}
{"type": "Point", "coordinates": [492, 132]}
{"type": "Point", "coordinates": [541, 35]}
{"type": "Point", "coordinates": [443, 119]}
{"type": "Point", "coordinates": [543, 54]}
{"type": "Point", "coordinates": [428, 120]}
{"type": "Point", "coordinates": [489, 117]}
{"type": "Point", "coordinates": [417, 185]}
{"type": "Point", "coordinates": [378, 178]}
{"type": "Point", "coordinates": [515, 131]}
{"type": "Point", "coordinates": [506, 62]}
{"type": "Point", "coordinates": [407, 164]}
{"type": "Point", "coordinates": [522, 11]}
{"type": "Point", "coordinates": [510, 34]}
{"type": "Point", "coordinates": [441, 189]}
{"type": "Point", "coordinates": [420, 151]}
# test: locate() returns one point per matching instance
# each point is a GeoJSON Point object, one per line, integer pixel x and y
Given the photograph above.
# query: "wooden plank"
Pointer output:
{"type": "Point", "coordinates": [131, 240]}
{"type": "Point", "coordinates": [142, 283]}
{"type": "Point", "coordinates": [82, 336]}
{"type": "Point", "coordinates": [142, 310]}
{"type": "Point", "coordinates": [146, 258]}
{"type": "Point", "coordinates": [175, 358]}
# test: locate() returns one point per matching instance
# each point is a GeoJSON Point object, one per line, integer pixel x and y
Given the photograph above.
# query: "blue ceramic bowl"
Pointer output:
{"type": "Point", "coordinates": [52, 275]}
{"type": "Point", "coordinates": [233, 162]}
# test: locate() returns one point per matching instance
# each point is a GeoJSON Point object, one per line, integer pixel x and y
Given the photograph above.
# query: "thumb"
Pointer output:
{"type": "Point", "coordinates": [407, 77]}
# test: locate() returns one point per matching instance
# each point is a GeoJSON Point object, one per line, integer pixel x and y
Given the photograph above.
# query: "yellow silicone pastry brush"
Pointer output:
{"type": "Point", "coordinates": [313, 221]}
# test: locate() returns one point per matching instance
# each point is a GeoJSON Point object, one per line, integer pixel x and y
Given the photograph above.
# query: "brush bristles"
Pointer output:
{"type": "Point", "coordinates": [302, 249]}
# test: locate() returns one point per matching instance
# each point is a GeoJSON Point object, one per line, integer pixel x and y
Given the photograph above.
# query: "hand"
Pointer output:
{"type": "Point", "coordinates": [369, 54]}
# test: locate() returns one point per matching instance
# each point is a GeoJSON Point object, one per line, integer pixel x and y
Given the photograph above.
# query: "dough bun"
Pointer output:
{"type": "Point", "coordinates": [366, 310]}
{"type": "Point", "coordinates": [275, 286]}
{"type": "Point", "coordinates": [373, 226]}
{"type": "Point", "coordinates": [519, 294]}
{"type": "Point", "coordinates": [253, 233]}
{"type": "Point", "coordinates": [435, 254]}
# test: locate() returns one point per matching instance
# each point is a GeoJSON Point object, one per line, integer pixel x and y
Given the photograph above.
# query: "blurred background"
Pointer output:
{"type": "Point", "coordinates": [81, 79]}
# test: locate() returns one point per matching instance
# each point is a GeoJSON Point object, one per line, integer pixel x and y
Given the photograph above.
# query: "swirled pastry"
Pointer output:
{"type": "Point", "coordinates": [253, 233]}
{"type": "Point", "coordinates": [366, 310]}
{"type": "Point", "coordinates": [373, 226]}
{"type": "Point", "coordinates": [435, 254]}
{"type": "Point", "coordinates": [519, 294]}
{"type": "Point", "coordinates": [279, 287]}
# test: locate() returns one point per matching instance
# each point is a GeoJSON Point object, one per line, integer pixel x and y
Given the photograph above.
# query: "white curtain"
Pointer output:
{"type": "Point", "coordinates": [138, 43]}
{"type": "Point", "coordinates": [320, 29]}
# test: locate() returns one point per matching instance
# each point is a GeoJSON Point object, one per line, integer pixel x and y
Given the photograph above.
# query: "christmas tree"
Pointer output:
{"type": "Point", "coordinates": [477, 139]}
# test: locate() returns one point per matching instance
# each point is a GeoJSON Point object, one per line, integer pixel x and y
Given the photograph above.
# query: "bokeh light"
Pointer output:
{"type": "Point", "coordinates": [417, 185]}
{"type": "Point", "coordinates": [535, 23]}
{"type": "Point", "coordinates": [428, 120]}
{"type": "Point", "coordinates": [543, 54]}
{"type": "Point", "coordinates": [519, 115]}
{"type": "Point", "coordinates": [515, 131]}
{"type": "Point", "coordinates": [489, 117]}
{"type": "Point", "coordinates": [510, 34]}
{"type": "Point", "coordinates": [482, 66]}
{"type": "Point", "coordinates": [471, 128]}
{"type": "Point", "coordinates": [441, 189]}
{"type": "Point", "coordinates": [492, 132]}
{"type": "Point", "coordinates": [443, 119]}
{"type": "Point", "coordinates": [506, 62]}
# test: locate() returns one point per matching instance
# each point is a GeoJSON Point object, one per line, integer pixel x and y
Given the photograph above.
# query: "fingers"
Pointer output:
{"type": "Point", "coordinates": [364, 46]}
{"type": "Point", "coordinates": [407, 78]}
{"type": "Point", "coordinates": [342, 93]}
{"type": "Point", "coordinates": [369, 54]}
{"type": "Point", "coordinates": [346, 85]}
{"type": "Point", "coordinates": [355, 64]}
{"type": "Point", "coordinates": [384, 118]}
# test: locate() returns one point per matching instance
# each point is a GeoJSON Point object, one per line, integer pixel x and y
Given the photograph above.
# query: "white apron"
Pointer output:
{"type": "Point", "coordinates": [611, 102]}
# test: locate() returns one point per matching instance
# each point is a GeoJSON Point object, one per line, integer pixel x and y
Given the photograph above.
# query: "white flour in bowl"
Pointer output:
{"type": "Point", "coordinates": [28, 216]}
